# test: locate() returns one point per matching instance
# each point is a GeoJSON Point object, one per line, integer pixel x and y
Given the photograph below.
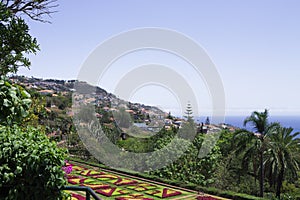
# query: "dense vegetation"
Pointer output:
{"type": "Point", "coordinates": [264, 163]}
{"type": "Point", "coordinates": [30, 164]}
{"type": "Point", "coordinates": [241, 161]}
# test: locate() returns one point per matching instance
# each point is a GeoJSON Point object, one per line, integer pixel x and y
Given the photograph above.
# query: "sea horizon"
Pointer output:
{"type": "Point", "coordinates": [292, 121]}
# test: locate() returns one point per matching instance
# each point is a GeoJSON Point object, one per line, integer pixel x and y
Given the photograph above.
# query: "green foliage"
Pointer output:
{"type": "Point", "coordinates": [62, 102]}
{"type": "Point", "coordinates": [282, 157]}
{"type": "Point", "coordinates": [134, 145]}
{"type": "Point", "coordinates": [252, 146]}
{"type": "Point", "coordinates": [188, 130]}
{"type": "Point", "coordinates": [274, 153]}
{"type": "Point", "coordinates": [169, 116]}
{"type": "Point", "coordinates": [162, 138]}
{"type": "Point", "coordinates": [188, 168]}
{"type": "Point", "coordinates": [15, 42]}
{"type": "Point", "coordinates": [73, 139]}
{"type": "Point", "coordinates": [14, 102]}
{"type": "Point", "coordinates": [30, 165]}
{"type": "Point", "coordinates": [288, 187]}
{"type": "Point", "coordinates": [225, 142]}
{"type": "Point", "coordinates": [167, 154]}
{"type": "Point", "coordinates": [37, 111]}
{"type": "Point", "coordinates": [122, 118]}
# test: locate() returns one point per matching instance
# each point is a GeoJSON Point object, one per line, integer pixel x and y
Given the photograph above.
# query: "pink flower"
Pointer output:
{"type": "Point", "coordinates": [68, 168]}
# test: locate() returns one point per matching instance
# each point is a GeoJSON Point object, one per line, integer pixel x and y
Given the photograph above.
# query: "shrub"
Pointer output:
{"type": "Point", "coordinates": [14, 102]}
{"type": "Point", "coordinates": [31, 165]}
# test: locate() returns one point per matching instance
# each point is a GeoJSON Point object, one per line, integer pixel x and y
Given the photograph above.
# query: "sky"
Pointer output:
{"type": "Point", "coordinates": [254, 45]}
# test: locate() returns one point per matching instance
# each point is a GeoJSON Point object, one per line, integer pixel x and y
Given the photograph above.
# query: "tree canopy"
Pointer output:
{"type": "Point", "coordinates": [30, 162]}
{"type": "Point", "coordinates": [36, 10]}
{"type": "Point", "coordinates": [15, 42]}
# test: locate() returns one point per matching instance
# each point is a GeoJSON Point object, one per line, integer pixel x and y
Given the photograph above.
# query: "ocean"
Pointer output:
{"type": "Point", "coordinates": [237, 121]}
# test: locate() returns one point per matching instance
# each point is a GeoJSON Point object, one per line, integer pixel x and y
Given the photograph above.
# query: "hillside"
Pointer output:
{"type": "Point", "coordinates": [84, 93]}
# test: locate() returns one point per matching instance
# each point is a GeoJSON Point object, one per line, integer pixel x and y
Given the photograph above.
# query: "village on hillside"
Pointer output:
{"type": "Point", "coordinates": [144, 117]}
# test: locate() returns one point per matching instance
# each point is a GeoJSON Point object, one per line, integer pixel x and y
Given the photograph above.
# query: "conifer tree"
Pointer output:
{"type": "Point", "coordinates": [189, 113]}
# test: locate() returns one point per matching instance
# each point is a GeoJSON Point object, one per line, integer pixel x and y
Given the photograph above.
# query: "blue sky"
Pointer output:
{"type": "Point", "coordinates": [255, 45]}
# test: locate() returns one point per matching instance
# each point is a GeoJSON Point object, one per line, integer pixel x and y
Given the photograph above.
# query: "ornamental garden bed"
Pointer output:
{"type": "Point", "coordinates": [108, 185]}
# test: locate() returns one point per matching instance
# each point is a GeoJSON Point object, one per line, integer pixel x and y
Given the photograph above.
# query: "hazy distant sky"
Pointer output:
{"type": "Point", "coordinates": [255, 45]}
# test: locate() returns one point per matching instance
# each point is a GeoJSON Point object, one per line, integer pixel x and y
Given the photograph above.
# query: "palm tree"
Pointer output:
{"type": "Point", "coordinates": [247, 145]}
{"type": "Point", "coordinates": [255, 142]}
{"type": "Point", "coordinates": [282, 156]}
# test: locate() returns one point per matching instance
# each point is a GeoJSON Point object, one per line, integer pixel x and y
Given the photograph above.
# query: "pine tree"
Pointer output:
{"type": "Point", "coordinates": [169, 116]}
{"type": "Point", "coordinates": [189, 113]}
{"type": "Point", "coordinates": [207, 121]}
{"type": "Point", "coordinates": [188, 130]}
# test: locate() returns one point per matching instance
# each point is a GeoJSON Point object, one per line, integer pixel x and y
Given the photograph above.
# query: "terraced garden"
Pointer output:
{"type": "Point", "coordinates": [110, 185]}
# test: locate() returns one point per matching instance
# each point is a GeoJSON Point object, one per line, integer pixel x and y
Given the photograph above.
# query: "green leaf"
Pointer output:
{"type": "Point", "coordinates": [26, 101]}
{"type": "Point", "coordinates": [18, 170]}
{"type": "Point", "coordinates": [6, 103]}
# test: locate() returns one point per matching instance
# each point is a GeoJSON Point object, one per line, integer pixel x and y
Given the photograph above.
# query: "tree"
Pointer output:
{"type": "Point", "coordinates": [207, 121]}
{"type": "Point", "coordinates": [15, 41]}
{"type": "Point", "coordinates": [36, 10]}
{"type": "Point", "coordinates": [248, 146]}
{"type": "Point", "coordinates": [282, 156]}
{"type": "Point", "coordinates": [188, 129]}
{"type": "Point", "coordinates": [189, 113]}
{"type": "Point", "coordinates": [31, 165]}
{"type": "Point", "coordinates": [256, 143]}
{"type": "Point", "coordinates": [169, 116]}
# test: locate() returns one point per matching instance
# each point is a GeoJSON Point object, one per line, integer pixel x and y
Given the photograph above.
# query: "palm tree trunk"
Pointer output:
{"type": "Point", "coordinates": [254, 170]}
{"type": "Point", "coordinates": [261, 174]}
{"type": "Point", "coordinates": [279, 183]}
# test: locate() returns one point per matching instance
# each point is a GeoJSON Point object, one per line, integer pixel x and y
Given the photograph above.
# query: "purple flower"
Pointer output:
{"type": "Point", "coordinates": [67, 169]}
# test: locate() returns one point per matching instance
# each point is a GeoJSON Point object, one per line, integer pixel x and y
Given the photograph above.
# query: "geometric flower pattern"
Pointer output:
{"type": "Point", "coordinates": [130, 197]}
{"type": "Point", "coordinates": [113, 186]}
{"type": "Point", "coordinates": [112, 191]}
{"type": "Point", "coordinates": [163, 192]}
{"type": "Point", "coordinates": [77, 197]}
{"type": "Point", "coordinates": [140, 187]}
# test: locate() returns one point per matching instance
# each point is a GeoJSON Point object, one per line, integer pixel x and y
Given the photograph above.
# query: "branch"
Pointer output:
{"type": "Point", "coordinates": [34, 9]}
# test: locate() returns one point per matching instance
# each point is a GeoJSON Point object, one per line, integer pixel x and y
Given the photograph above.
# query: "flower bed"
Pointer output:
{"type": "Point", "coordinates": [142, 187]}
{"type": "Point", "coordinates": [113, 186]}
{"type": "Point", "coordinates": [132, 197]}
{"type": "Point", "coordinates": [164, 192]}
{"type": "Point", "coordinates": [112, 191]}
{"type": "Point", "coordinates": [77, 197]}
